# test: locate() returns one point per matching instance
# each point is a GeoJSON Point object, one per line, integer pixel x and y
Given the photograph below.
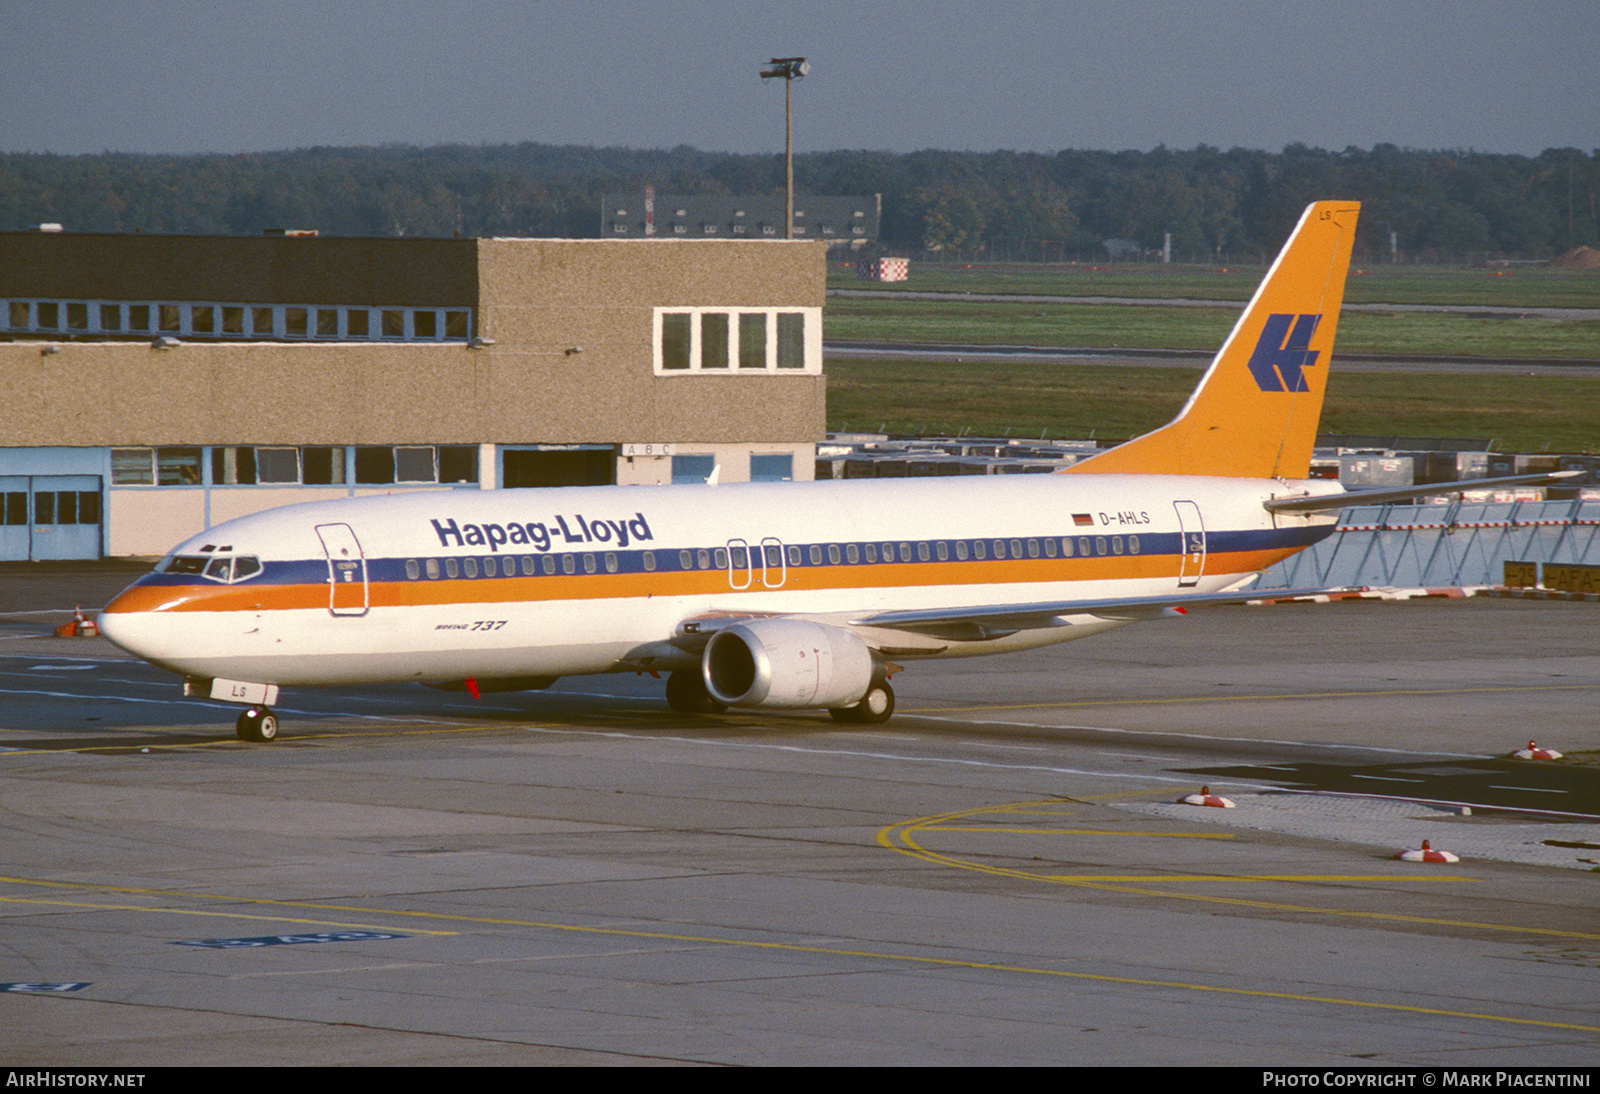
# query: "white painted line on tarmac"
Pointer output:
{"type": "Point", "coordinates": [1192, 736]}
{"type": "Point", "coordinates": [219, 709]}
{"type": "Point", "coordinates": [894, 757]}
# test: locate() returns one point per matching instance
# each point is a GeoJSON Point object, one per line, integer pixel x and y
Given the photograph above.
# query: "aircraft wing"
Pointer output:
{"type": "Point", "coordinates": [1324, 502]}
{"type": "Point", "coordinates": [982, 622]}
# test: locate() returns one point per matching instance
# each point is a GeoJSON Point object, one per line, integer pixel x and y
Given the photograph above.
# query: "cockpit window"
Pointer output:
{"type": "Point", "coordinates": [220, 569]}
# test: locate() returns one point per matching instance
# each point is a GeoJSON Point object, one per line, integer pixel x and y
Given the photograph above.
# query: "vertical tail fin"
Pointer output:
{"type": "Point", "coordinates": [1256, 410]}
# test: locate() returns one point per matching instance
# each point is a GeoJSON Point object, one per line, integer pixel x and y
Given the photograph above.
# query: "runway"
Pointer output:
{"type": "Point", "coordinates": [997, 876]}
{"type": "Point", "coordinates": [1195, 359]}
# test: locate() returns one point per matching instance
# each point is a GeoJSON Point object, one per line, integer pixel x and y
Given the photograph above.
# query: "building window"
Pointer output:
{"type": "Point", "coordinates": [692, 469]}
{"type": "Point", "coordinates": [772, 467]}
{"type": "Point", "coordinates": [234, 322]}
{"type": "Point", "coordinates": [415, 464]}
{"type": "Point", "coordinates": [446, 463]}
{"type": "Point", "coordinates": [322, 466]}
{"type": "Point", "coordinates": [674, 340]}
{"type": "Point", "coordinates": [277, 465]}
{"type": "Point", "coordinates": [458, 463]}
{"type": "Point", "coordinates": [792, 340]}
{"type": "Point", "coordinates": [707, 339]}
{"type": "Point", "coordinates": [177, 467]}
{"type": "Point", "coordinates": [243, 465]}
{"type": "Point", "coordinates": [374, 465]}
{"type": "Point", "coordinates": [133, 466]}
{"type": "Point", "coordinates": [155, 466]}
{"type": "Point", "coordinates": [714, 340]}
{"type": "Point", "coordinates": [753, 339]}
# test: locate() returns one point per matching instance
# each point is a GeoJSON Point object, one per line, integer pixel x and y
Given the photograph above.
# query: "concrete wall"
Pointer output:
{"type": "Point", "coordinates": [572, 329]}
{"type": "Point", "coordinates": [248, 269]}
{"type": "Point", "coordinates": [571, 363]}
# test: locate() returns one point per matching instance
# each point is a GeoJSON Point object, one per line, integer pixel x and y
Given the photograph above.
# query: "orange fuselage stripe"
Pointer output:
{"type": "Point", "coordinates": [579, 587]}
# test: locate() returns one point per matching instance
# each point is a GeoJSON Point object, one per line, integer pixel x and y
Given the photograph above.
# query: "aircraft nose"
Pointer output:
{"type": "Point", "coordinates": [134, 621]}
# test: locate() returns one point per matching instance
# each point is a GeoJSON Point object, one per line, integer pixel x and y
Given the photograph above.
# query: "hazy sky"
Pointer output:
{"type": "Point", "coordinates": [899, 75]}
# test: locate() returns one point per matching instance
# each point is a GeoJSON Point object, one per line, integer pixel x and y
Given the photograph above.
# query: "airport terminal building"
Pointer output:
{"type": "Point", "coordinates": [157, 385]}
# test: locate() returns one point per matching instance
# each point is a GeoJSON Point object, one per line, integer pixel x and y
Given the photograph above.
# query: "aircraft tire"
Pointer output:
{"type": "Point", "coordinates": [257, 725]}
{"type": "Point", "coordinates": [687, 694]}
{"type": "Point", "coordinates": [875, 707]}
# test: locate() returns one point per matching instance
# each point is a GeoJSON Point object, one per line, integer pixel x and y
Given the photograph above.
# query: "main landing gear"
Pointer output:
{"type": "Point", "coordinates": [874, 708]}
{"type": "Point", "coordinates": [687, 694]}
{"type": "Point", "coordinates": [257, 725]}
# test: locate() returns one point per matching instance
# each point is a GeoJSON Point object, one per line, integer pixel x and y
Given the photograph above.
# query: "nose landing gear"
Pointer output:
{"type": "Point", "coordinates": [257, 725]}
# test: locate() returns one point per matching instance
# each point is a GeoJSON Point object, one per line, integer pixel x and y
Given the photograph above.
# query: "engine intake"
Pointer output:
{"type": "Point", "coordinates": [786, 663]}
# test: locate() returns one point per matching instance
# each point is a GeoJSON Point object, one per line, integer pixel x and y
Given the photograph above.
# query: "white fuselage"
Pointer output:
{"type": "Point", "coordinates": [551, 582]}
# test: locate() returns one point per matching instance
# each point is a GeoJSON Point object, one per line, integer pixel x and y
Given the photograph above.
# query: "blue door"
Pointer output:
{"type": "Point", "coordinates": [50, 517]}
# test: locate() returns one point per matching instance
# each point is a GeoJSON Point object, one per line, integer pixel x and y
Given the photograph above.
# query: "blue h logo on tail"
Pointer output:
{"type": "Point", "coordinates": [1281, 353]}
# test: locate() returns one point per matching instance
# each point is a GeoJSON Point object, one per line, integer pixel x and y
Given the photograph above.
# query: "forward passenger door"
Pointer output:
{"type": "Point", "coordinates": [347, 570]}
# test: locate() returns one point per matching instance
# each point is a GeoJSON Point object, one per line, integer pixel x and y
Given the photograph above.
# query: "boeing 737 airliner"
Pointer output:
{"type": "Point", "coordinates": [792, 596]}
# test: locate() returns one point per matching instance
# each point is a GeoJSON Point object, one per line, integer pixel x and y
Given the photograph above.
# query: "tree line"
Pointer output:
{"type": "Point", "coordinates": [1216, 205]}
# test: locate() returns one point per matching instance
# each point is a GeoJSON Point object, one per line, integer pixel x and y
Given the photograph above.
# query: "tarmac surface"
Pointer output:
{"type": "Point", "coordinates": [999, 875]}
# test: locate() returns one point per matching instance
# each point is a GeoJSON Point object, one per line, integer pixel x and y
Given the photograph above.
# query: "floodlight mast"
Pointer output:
{"type": "Point", "coordinates": [787, 69]}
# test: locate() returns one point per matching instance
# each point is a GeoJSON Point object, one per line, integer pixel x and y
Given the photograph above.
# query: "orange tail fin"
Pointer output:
{"type": "Point", "coordinates": [1256, 410]}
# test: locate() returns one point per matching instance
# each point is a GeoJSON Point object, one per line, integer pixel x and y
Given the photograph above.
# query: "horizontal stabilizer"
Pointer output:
{"type": "Point", "coordinates": [1322, 503]}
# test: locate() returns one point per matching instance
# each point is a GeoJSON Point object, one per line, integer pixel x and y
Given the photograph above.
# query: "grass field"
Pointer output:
{"type": "Point", "coordinates": [1522, 413]}
{"type": "Point", "coordinates": [1518, 288]}
{"type": "Point", "coordinates": [1401, 334]}
{"type": "Point", "coordinates": [1557, 414]}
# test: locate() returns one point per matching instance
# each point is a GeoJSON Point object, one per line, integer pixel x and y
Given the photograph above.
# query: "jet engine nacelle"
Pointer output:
{"type": "Point", "coordinates": [787, 663]}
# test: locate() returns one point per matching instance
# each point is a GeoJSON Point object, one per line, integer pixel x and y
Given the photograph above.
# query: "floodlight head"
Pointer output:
{"type": "Point", "coordinates": [786, 68]}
